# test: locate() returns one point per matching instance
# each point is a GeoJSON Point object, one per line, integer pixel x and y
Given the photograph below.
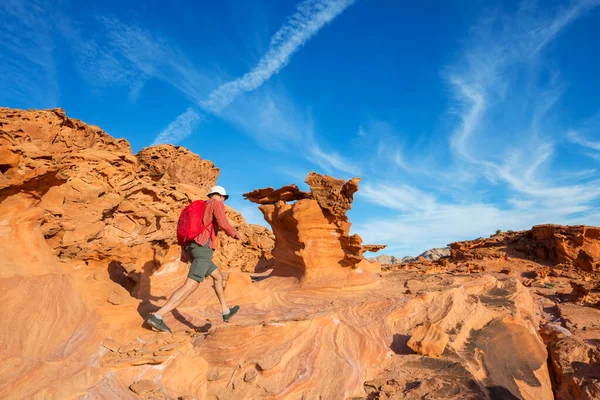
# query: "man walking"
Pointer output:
{"type": "Point", "coordinates": [199, 252]}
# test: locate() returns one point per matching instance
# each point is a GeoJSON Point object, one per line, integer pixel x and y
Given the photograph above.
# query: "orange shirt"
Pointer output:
{"type": "Point", "coordinates": [214, 218]}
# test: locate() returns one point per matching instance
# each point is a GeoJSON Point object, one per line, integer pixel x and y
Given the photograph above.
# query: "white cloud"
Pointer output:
{"type": "Point", "coordinates": [330, 159]}
{"type": "Point", "coordinates": [278, 123]}
{"type": "Point", "coordinates": [402, 198]}
{"type": "Point", "coordinates": [310, 17]}
{"type": "Point", "coordinates": [128, 55]}
{"type": "Point", "coordinates": [413, 233]}
{"type": "Point", "coordinates": [577, 138]}
{"type": "Point", "coordinates": [271, 117]}
{"type": "Point", "coordinates": [485, 91]}
{"type": "Point", "coordinates": [117, 53]}
{"type": "Point", "coordinates": [505, 136]}
{"type": "Point", "coordinates": [594, 156]}
{"type": "Point", "coordinates": [182, 127]}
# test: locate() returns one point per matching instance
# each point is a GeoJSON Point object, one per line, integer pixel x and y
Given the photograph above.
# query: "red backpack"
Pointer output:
{"type": "Point", "coordinates": [190, 222]}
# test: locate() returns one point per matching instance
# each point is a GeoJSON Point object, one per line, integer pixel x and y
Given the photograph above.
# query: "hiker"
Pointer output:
{"type": "Point", "coordinates": [199, 252]}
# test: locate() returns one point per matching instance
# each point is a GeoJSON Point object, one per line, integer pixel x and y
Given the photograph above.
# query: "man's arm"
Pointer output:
{"type": "Point", "coordinates": [221, 218]}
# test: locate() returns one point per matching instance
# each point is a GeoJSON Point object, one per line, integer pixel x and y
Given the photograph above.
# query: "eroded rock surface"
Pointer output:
{"type": "Point", "coordinates": [89, 251]}
{"type": "Point", "coordinates": [558, 264]}
{"type": "Point", "coordinates": [87, 230]}
{"type": "Point", "coordinates": [576, 367]}
{"type": "Point", "coordinates": [566, 246]}
{"type": "Point", "coordinates": [97, 201]}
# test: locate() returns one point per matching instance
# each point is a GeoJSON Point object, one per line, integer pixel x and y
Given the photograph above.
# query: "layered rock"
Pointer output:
{"type": "Point", "coordinates": [88, 229]}
{"type": "Point", "coordinates": [566, 246]}
{"type": "Point", "coordinates": [574, 245]}
{"type": "Point", "coordinates": [312, 235]}
{"type": "Point", "coordinates": [75, 293]}
{"type": "Point", "coordinates": [428, 340]}
{"type": "Point", "coordinates": [100, 202]}
{"type": "Point", "coordinates": [475, 338]}
{"type": "Point", "coordinates": [574, 363]}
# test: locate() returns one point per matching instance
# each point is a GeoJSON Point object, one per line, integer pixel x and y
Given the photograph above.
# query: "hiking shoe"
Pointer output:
{"type": "Point", "coordinates": [158, 324]}
{"type": "Point", "coordinates": [232, 311]}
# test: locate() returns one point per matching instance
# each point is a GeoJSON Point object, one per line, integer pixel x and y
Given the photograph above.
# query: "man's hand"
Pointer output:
{"type": "Point", "coordinates": [183, 257]}
{"type": "Point", "coordinates": [236, 236]}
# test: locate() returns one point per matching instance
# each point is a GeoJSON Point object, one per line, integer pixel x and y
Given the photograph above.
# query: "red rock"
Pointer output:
{"type": "Point", "coordinates": [581, 290]}
{"type": "Point", "coordinates": [573, 363]}
{"type": "Point", "coordinates": [115, 298]}
{"type": "Point", "coordinates": [428, 340]}
{"type": "Point", "coordinates": [175, 164]}
{"type": "Point", "coordinates": [250, 376]}
{"type": "Point", "coordinates": [270, 195]}
{"type": "Point", "coordinates": [312, 240]}
{"type": "Point", "coordinates": [576, 245]}
{"type": "Point", "coordinates": [76, 204]}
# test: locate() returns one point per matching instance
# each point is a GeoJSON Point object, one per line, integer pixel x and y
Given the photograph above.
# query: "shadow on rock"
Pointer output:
{"type": "Point", "coordinates": [137, 283]}
{"type": "Point", "coordinates": [400, 344]}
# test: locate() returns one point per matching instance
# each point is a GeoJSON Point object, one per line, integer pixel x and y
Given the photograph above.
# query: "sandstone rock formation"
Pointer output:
{"type": "Point", "coordinates": [88, 250]}
{"type": "Point", "coordinates": [575, 245]}
{"type": "Point", "coordinates": [576, 367]}
{"type": "Point", "coordinates": [312, 236]}
{"type": "Point", "coordinates": [569, 246]}
{"type": "Point", "coordinates": [558, 264]}
{"type": "Point", "coordinates": [86, 227]}
{"type": "Point", "coordinates": [428, 340]}
{"type": "Point", "coordinates": [101, 202]}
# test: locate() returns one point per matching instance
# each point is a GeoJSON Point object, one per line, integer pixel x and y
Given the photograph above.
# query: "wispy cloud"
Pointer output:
{"type": "Point", "coordinates": [182, 127]}
{"type": "Point", "coordinates": [413, 232]}
{"type": "Point", "coordinates": [505, 137]}
{"type": "Point", "coordinates": [278, 123]}
{"type": "Point", "coordinates": [309, 18]}
{"type": "Point", "coordinates": [111, 52]}
{"type": "Point", "coordinates": [329, 159]}
{"type": "Point", "coordinates": [271, 117]}
{"type": "Point", "coordinates": [402, 198]}
{"type": "Point", "coordinates": [116, 53]}
{"type": "Point", "coordinates": [577, 138]}
{"type": "Point", "coordinates": [484, 91]}
{"type": "Point", "coordinates": [28, 66]}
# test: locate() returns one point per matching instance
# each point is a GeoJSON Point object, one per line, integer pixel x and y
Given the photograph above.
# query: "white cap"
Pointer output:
{"type": "Point", "coordinates": [219, 190]}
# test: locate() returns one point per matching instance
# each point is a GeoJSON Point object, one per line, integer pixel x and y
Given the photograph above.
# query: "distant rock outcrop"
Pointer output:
{"type": "Point", "coordinates": [431, 255]}
{"type": "Point", "coordinates": [565, 246]}
{"type": "Point", "coordinates": [386, 260]}
{"type": "Point", "coordinates": [435, 253]}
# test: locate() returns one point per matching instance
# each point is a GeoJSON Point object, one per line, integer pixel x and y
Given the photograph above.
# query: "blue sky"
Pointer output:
{"type": "Point", "coordinates": [460, 117]}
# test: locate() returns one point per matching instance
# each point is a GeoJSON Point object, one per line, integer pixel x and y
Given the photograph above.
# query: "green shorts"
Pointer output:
{"type": "Point", "coordinates": [201, 258]}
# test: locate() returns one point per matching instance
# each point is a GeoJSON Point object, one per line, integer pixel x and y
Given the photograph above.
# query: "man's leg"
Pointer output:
{"type": "Point", "coordinates": [178, 297]}
{"type": "Point", "coordinates": [218, 285]}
